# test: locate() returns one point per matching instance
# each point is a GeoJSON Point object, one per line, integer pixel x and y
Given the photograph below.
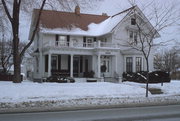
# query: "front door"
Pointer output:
{"type": "Point", "coordinates": [106, 60]}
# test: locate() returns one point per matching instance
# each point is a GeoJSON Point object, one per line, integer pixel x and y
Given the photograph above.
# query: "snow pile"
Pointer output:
{"type": "Point", "coordinates": [28, 91]}
{"type": "Point", "coordinates": [93, 29]}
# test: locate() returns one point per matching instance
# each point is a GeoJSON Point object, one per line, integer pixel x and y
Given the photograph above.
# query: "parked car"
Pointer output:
{"type": "Point", "coordinates": [60, 79]}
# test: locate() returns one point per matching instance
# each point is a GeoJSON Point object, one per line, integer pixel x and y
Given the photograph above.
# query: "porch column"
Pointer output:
{"type": "Point", "coordinates": [99, 66]}
{"type": "Point", "coordinates": [41, 65]}
{"type": "Point", "coordinates": [71, 68]}
{"type": "Point", "coordinates": [115, 63]}
{"type": "Point", "coordinates": [49, 64]}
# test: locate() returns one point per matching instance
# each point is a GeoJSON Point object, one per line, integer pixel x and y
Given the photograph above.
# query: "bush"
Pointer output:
{"type": "Point", "coordinates": [60, 79]}
{"type": "Point", "coordinates": [141, 77]}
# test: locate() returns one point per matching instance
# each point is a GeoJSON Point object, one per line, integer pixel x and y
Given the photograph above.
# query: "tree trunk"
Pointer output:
{"type": "Point", "coordinates": [17, 61]}
{"type": "Point", "coordinates": [147, 81]}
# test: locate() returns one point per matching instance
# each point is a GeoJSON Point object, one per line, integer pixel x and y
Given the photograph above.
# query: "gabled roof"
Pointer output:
{"type": "Point", "coordinates": [70, 23]}
{"type": "Point", "coordinates": [57, 19]}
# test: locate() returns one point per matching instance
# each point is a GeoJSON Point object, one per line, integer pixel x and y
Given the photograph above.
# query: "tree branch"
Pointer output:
{"type": "Point", "coordinates": [7, 11]}
{"type": "Point", "coordinates": [34, 31]}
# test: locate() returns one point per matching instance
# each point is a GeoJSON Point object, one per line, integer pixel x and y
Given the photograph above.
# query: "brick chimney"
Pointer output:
{"type": "Point", "coordinates": [77, 10]}
{"type": "Point", "coordinates": [104, 14]}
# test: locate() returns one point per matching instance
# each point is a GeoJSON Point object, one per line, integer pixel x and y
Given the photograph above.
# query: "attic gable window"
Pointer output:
{"type": "Point", "coordinates": [133, 21]}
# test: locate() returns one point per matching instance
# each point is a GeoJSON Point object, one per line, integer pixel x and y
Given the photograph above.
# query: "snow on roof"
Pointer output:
{"type": "Point", "coordinates": [102, 28]}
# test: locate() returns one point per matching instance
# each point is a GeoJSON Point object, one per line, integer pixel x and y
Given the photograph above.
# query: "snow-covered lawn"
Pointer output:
{"type": "Point", "coordinates": [168, 89]}
{"type": "Point", "coordinates": [29, 91]}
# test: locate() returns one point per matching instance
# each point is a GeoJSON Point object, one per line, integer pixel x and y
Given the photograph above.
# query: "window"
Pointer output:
{"type": "Point", "coordinates": [138, 64]}
{"type": "Point", "coordinates": [46, 63]}
{"type": "Point", "coordinates": [89, 41]}
{"type": "Point", "coordinates": [54, 63]}
{"type": "Point", "coordinates": [61, 40]}
{"type": "Point", "coordinates": [133, 37]}
{"type": "Point", "coordinates": [131, 34]}
{"type": "Point", "coordinates": [129, 64]}
{"type": "Point", "coordinates": [133, 21]}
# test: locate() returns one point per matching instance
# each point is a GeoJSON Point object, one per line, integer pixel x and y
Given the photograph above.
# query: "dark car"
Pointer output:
{"type": "Point", "coordinates": [60, 79]}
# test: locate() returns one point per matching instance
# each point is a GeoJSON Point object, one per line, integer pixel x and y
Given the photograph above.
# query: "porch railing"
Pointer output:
{"type": "Point", "coordinates": [72, 44]}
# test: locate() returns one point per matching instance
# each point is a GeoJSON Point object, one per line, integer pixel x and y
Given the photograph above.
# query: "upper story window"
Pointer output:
{"type": "Point", "coordinates": [133, 21]}
{"type": "Point", "coordinates": [61, 40]}
{"type": "Point", "coordinates": [88, 41]}
{"type": "Point", "coordinates": [133, 37]}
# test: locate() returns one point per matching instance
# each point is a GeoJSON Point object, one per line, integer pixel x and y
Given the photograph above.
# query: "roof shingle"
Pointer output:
{"type": "Point", "coordinates": [57, 19]}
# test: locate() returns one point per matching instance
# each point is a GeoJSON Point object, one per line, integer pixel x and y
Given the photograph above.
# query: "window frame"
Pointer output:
{"type": "Point", "coordinates": [133, 21]}
{"type": "Point", "coordinates": [129, 64]}
{"type": "Point", "coordinates": [138, 64]}
{"type": "Point", "coordinates": [133, 37]}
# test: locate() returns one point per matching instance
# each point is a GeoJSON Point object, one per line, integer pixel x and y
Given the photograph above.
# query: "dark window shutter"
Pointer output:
{"type": "Point", "coordinates": [94, 39]}
{"type": "Point", "coordinates": [69, 62]}
{"type": "Point", "coordinates": [46, 63]}
{"type": "Point", "coordinates": [68, 39]}
{"type": "Point", "coordinates": [59, 62]}
{"type": "Point", "coordinates": [84, 41]}
{"type": "Point", "coordinates": [57, 39]}
{"type": "Point", "coordinates": [81, 64]}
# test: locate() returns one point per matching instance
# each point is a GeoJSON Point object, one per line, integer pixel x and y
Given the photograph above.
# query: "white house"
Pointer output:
{"type": "Point", "coordinates": [76, 44]}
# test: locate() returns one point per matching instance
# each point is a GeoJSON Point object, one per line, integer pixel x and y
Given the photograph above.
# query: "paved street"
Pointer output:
{"type": "Point", "coordinates": [154, 113]}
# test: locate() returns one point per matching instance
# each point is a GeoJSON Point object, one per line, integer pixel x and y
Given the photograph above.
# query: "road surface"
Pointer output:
{"type": "Point", "coordinates": [153, 113]}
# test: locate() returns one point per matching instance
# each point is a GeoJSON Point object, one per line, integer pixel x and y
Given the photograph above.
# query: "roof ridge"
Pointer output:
{"type": "Point", "coordinates": [124, 11]}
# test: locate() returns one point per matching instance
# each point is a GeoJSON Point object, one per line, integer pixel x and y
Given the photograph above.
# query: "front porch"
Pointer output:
{"type": "Point", "coordinates": [69, 65]}
{"type": "Point", "coordinates": [76, 66]}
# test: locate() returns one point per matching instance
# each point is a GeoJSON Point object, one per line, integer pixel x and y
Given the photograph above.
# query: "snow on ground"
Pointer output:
{"type": "Point", "coordinates": [168, 89]}
{"type": "Point", "coordinates": [29, 91]}
{"type": "Point", "coordinates": [28, 96]}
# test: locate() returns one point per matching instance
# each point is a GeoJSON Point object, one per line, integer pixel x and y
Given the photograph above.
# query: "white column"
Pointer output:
{"type": "Point", "coordinates": [99, 66]}
{"type": "Point", "coordinates": [134, 64]}
{"type": "Point", "coordinates": [99, 43]}
{"type": "Point", "coordinates": [71, 68]}
{"type": "Point", "coordinates": [41, 71]}
{"type": "Point", "coordinates": [115, 63]}
{"type": "Point", "coordinates": [49, 64]}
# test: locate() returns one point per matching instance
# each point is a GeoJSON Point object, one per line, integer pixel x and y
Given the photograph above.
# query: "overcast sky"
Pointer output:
{"type": "Point", "coordinates": [112, 7]}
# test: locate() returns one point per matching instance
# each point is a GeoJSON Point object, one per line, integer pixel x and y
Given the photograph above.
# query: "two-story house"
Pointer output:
{"type": "Point", "coordinates": [77, 44]}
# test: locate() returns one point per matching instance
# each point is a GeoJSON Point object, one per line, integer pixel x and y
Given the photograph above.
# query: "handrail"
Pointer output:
{"type": "Point", "coordinates": [71, 44]}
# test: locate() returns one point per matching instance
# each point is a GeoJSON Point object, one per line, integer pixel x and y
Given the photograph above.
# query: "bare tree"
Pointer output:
{"type": "Point", "coordinates": [161, 17]}
{"type": "Point", "coordinates": [12, 9]}
{"type": "Point", "coordinates": [5, 54]}
{"type": "Point", "coordinates": [5, 46]}
{"type": "Point", "coordinates": [168, 59]}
